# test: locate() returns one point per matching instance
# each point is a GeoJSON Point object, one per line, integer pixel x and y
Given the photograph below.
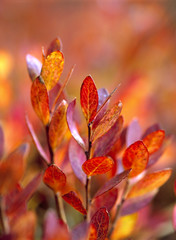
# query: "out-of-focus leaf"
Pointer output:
{"type": "Point", "coordinates": [40, 100]}
{"type": "Point", "coordinates": [72, 125]}
{"type": "Point", "coordinates": [125, 227]}
{"type": "Point", "coordinates": [153, 128]}
{"type": "Point", "coordinates": [77, 157]}
{"type": "Point", "coordinates": [112, 183]}
{"type": "Point", "coordinates": [107, 121]}
{"type": "Point", "coordinates": [134, 132]}
{"type": "Point", "coordinates": [106, 200]}
{"type": "Point", "coordinates": [98, 165]}
{"type": "Point", "coordinates": [174, 217]}
{"type": "Point", "coordinates": [53, 94]}
{"type": "Point", "coordinates": [104, 144]}
{"type": "Point", "coordinates": [52, 69]}
{"type": "Point", "coordinates": [72, 199]}
{"type": "Point", "coordinates": [54, 178]}
{"type": "Point", "coordinates": [54, 228]}
{"type": "Point", "coordinates": [34, 66]}
{"type": "Point", "coordinates": [89, 99]}
{"type": "Point", "coordinates": [58, 125]}
{"type": "Point", "coordinates": [12, 169]}
{"type": "Point", "coordinates": [149, 183]}
{"type": "Point", "coordinates": [136, 157]}
{"type": "Point", "coordinates": [80, 231]}
{"type": "Point", "coordinates": [133, 205]}
{"type": "Point", "coordinates": [99, 225]}
{"type": "Point", "coordinates": [55, 45]}
{"type": "Point", "coordinates": [36, 141]}
{"type": "Point", "coordinates": [1, 142]}
{"type": "Point", "coordinates": [154, 140]}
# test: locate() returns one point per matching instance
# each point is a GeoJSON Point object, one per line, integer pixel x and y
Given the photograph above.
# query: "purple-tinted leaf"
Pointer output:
{"type": "Point", "coordinates": [34, 66]}
{"type": "Point", "coordinates": [53, 93]}
{"type": "Point", "coordinates": [134, 132]}
{"type": "Point", "coordinates": [153, 128]}
{"type": "Point", "coordinates": [174, 217]}
{"type": "Point", "coordinates": [112, 182]}
{"type": "Point", "coordinates": [155, 157]}
{"type": "Point", "coordinates": [36, 141]}
{"type": "Point", "coordinates": [80, 231]}
{"type": "Point", "coordinates": [72, 125]}
{"type": "Point", "coordinates": [77, 157]}
{"type": "Point", "coordinates": [1, 142]}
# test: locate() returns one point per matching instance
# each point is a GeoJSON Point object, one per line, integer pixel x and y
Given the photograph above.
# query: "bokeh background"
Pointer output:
{"type": "Point", "coordinates": [125, 42]}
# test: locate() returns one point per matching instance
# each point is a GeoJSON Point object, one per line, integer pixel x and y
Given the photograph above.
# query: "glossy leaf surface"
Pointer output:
{"type": "Point", "coordinates": [34, 66]}
{"type": "Point", "coordinates": [134, 132]}
{"type": "Point", "coordinates": [58, 125]}
{"type": "Point", "coordinates": [72, 199]}
{"type": "Point", "coordinates": [55, 45]}
{"type": "Point", "coordinates": [98, 165]}
{"type": "Point", "coordinates": [54, 178]}
{"type": "Point", "coordinates": [89, 99]}
{"type": "Point", "coordinates": [52, 69]}
{"type": "Point", "coordinates": [154, 140]}
{"type": "Point", "coordinates": [40, 100]}
{"type": "Point", "coordinates": [136, 157]}
{"type": "Point", "coordinates": [112, 183]}
{"type": "Point", "coordinates": [150, 182]}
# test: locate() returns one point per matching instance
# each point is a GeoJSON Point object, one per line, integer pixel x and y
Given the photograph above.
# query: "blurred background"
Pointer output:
{"type": "Point", "coordinates": [125, 42]}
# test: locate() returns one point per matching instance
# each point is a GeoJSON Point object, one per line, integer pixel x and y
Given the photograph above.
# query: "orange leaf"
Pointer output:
{"type": "Point", "coordinates": [39, 99]}
{"type": "Point", "coordinates": [150, 182]}
{"type": "Point", "coordinates": [72, 199]}
{"type": "Point", "coordinates": [89, 98]}
{"type": "Point", "coordinates": [107, 121]}
{"type": "Point", "coordinates": [154, 140]}
{"type": "Point", "coordinates": [99, 225]}
{"type": "Point", "coordinates": [98, 165]}
{"type": "Point", "coordinates": [52, 69]}
{"type": "Point", "coordinates": [54, 178]}
{"type": "Point", "coordinates": [55, 45]}
{"type": "Point", "coordinates": [136, 157]}
{"type": "Point", "coordinates": [58, 126]}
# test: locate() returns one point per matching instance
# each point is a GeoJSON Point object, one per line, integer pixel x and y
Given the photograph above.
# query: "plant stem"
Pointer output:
{"type": "Point", "coordinates": [117, 214]}
{"type": "Point", "coordinates": [49, 146]}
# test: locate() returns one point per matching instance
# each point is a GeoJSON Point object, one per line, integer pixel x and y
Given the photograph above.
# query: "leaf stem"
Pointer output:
{"type": "Point", "coordinates": [49, 146]}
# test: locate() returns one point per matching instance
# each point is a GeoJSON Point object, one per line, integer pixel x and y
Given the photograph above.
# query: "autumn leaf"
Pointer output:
{"type": "Point", "coordinates": [107, 121]}
{"type": "Point", "coordinates": [136, 157]}
{"type": "Point", "coordinates": [34, 66]}
{"type": "Point", "coordinates": [149, 183]}
{"type": "Point", "coordinates": [54, 178]}
{"type": "Point", "coordinates": [89, 98]}
{"type": "Point", "coordinates": [52, 69]}
{"type": "Point", "coordinates": [80, 231]}
{"type": "Point", "coordinates": [55, 45]}
{"type": "Point", "coordinates": [40, 100]}
{"type": "Point", "coordinates": [53, 94]}
{"type": "Point", "coordinates": [134, 132]}
{"type": "Point", "coordinates": [154, 140]}
{"type": "Point", "coordinates": [98, 165]}
{"type": "Point", "coordinates": [58, 125]}
{"type": "Point", "coordinates": [72, 199]}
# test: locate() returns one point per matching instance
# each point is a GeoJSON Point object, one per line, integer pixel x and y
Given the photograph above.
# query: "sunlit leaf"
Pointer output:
{"type": "Point", "coordinates": [89, 98]}
{"type": "Point", "coordinates": [134, 132]}
{"type": "Point", "coordinates": [136, 157]}
{"type": "Point", "coordinates": [1, 142]}
{"type": "Point", "coordinates": [72, 199]}
{"type": "Point", "coordinates": [52, 69]}
{"type": "Point", "coordinates": [55, 45]}
{"type": "Point", "coordinates": [99, 225]}
{"type": "Point", "coordinates": [98, 165]}
{"type": "Point", "coordinates": [54, 178]}
{"type": "Point", "coordinates": [154, 140]}
{"type": "Point", "coordinates": [72, 125]}
{"type": "Point", "coordinates": [36, 141]}
{"type": "Point", "coordinates": [77, 157]}
{"type": "Point", "coordinates": [174, 217]}
{"type": "Point", "coordinates": [39, 100]}
{"type": "Point", "coordinates": [107, 121]}
{"type": "Point", "coordinates": [112, 182]}
{"type": "Point", "coordinates": [58, 125]}
{"type": "Point", "coordinates": [34, 66]}
{"type": "Point", "coordinates": [150, 182]}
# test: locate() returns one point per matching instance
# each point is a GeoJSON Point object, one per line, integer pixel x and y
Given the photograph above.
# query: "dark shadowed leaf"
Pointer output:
{"type": "Point", "coordinates": [1, 142]}
{"type": "Point", "coordinates": [55, 45]}
{"type": "Point", "coordinates": [34, 66]}
{"type": "Point", "coordinates": [134, 132]}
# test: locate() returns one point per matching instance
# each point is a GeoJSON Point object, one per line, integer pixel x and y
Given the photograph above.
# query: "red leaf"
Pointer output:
{"type": "Point", "coordinates": [134, 132]}
{"type": "Point", "coordinates": [72, 199]}
{"type": "Point", "coordinates": [112, 183]}
{"type": "Point", "coordinates": [98, 165]}
{"type": "Point", "coordinates": [136, 157]}
{"type": "Point", "coordinates": [1, 142]}
{"type": "Point", "coordinates": [154, 140]}
{"type": "Point", "coordinates": [107, 121]}
{"type": "Point", "coordinates": [77, 157]}
{"type": "Point", "coordinates": [40, 101]}
{"type": "Point", "coordinates": [99, 225]}
{"type": "Point", "coordinates": [54, 178]}
{"type": "Point", "coordinates": [36, 141]}
{"type": "Point", "coordinates": [89, 99]}
{"type": "Point", "coordinates": [72, 125]}
{"type": "Point", "coordinates": [34, 66]}
{"type": "Point", "coordinates": [55, 45]}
